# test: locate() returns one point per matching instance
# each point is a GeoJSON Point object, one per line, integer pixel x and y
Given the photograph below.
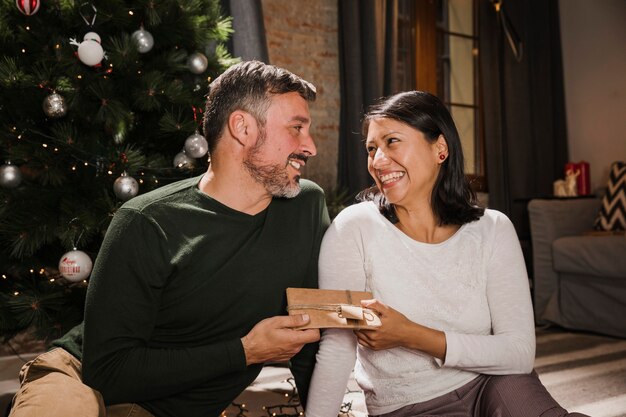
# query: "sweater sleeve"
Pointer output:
{"type": "Point", "coordinates": [122, 303]}
{"type": "Point", "coordinates": [510, 349]}
{"type": "Point", "coordinates": [340, 267]}
{"type": "Point", "coordinates": [303, 363]}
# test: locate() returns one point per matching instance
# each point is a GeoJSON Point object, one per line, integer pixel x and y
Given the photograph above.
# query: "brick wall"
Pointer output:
{"type": "Point", "coordinates": [302, 37]}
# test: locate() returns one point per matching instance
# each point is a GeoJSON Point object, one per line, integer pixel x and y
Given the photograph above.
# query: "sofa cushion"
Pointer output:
{"type": "Point", "coordinates": [612, 215]}
{"type": "Point", "coordinates": [602, 256]}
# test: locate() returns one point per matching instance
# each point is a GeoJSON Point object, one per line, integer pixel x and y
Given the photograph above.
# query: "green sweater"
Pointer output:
{"type": "Point", "coordinates": [180, 278]}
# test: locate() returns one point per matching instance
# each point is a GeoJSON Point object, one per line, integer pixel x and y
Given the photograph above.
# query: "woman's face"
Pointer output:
{"type": "Point", "coordinates": [402, 161]}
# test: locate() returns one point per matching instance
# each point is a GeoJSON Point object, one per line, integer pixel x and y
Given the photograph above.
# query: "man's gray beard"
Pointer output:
{"type": "Point", "coordinates": [273, 177]}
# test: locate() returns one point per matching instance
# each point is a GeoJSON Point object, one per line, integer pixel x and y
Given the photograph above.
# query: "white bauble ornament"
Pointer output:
{"type": "Point", "coordinates": [183, 161]}
{"type": "Point", "coordinates": [54, 106]}
{"type": "Point", "coordinates": [89, 51]}
{"type": "Point", "coordinates": [143, 40]}
{"type": "Point", "coordinates": [197, 63]}
{"type": "Point", "coordinates": [10, 176]}
{"type": "Point", "coordinates": [28, 7]}
{"type": "Point", "coordinates": [75, 265]}
{"type": "Point", "coordinates": [196, 146]}
{"type": "Point", "coordinates": [125, 187]}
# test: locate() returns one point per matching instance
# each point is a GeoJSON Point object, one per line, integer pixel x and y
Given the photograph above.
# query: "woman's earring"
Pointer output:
{"type": "Point", "coordinates": [442, 156]}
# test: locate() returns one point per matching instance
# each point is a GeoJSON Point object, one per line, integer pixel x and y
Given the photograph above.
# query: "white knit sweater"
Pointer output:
{"type": "Point", "coordinates": [473, 286]}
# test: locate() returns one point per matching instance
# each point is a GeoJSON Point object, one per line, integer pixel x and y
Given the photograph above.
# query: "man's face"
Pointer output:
{"type": "Point", "coordinates": [283, 146]}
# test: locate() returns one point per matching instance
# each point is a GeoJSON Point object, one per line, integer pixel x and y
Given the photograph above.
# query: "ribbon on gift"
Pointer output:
{"type": "Point", "coordinates": [344, 311]}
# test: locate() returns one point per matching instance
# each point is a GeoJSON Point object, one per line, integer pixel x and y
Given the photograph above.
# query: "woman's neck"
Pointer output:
{"type": "Point", "coordinates": [423, 226]}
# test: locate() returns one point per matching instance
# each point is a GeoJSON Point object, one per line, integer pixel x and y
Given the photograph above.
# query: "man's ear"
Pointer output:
{"type": "Point", "coordinates": [242, 127]}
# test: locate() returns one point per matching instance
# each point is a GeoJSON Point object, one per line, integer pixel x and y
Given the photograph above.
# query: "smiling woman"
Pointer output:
{"type": "Point", "coordinates": [457, 333]}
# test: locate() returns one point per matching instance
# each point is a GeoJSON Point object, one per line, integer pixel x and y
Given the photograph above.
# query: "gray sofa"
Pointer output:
{"type": "Point", "coordinates": [579, 279]}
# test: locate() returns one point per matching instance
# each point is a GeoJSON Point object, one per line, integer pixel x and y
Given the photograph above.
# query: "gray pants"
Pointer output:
{"type": "Point", "coordinates": [491, 395]}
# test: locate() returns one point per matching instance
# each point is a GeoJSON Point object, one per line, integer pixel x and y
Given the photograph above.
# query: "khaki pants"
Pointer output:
{"type": "Point", "coordinates": [51, 386]}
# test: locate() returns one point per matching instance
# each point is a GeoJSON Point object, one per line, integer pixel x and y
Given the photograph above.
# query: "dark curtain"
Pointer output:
{"type": "Point", "coordinates": [524, 105]}
{"type": "Point", "coordinates": [367, 49]}
{"type": "Point", "coordinates": [248, 39]}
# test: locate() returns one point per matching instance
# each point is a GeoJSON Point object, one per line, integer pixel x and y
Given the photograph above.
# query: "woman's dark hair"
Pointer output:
{"type": "Point", "coordinates": [452, 199]}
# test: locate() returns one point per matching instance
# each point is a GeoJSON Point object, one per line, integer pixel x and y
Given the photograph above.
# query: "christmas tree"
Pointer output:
{"type": "Point", "coordinates": [99, 101]}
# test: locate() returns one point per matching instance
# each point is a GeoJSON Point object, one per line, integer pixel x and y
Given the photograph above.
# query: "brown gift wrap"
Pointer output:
{"type": "Point", "coordinates": [332, 308]}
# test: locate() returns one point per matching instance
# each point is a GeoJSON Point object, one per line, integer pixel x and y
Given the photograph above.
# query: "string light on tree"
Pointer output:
{"type": "Point", "coordinates": [10, 175]}
{"type": "Point", "coordinates": [197, 63]}
{"type": "Point", "coordinates": [54, 106]}
{"type": "Point", "coordinates": [75, 265]}
{"type": "Point", "coordinates": [143, 40]}
{"type": "Point", "coordinates": [125, 187]}
{"type": "Point", "coordinates": [67, 158]}
{"type": "Point", "coordinates": [28, 7]}
{"type": "Point", "coordinates": [196, 146]}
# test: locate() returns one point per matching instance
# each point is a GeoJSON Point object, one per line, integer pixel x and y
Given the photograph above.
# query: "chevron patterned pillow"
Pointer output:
{"type": "Point", "coordinates": [612, 215]}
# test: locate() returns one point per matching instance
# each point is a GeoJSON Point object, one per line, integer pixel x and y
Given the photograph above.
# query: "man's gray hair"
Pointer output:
{"type": "Point", "coordinates": [248, 86]}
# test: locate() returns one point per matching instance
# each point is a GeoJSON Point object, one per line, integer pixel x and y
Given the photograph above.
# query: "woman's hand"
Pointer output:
{"type": "Point", "coordinates": [395, 327]}
{"type": "Point", "coordinates": [397, 330]}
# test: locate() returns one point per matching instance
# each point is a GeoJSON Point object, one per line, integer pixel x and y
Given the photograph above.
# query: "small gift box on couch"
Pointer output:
{"type": "Point", "coordinates": [332, 308]}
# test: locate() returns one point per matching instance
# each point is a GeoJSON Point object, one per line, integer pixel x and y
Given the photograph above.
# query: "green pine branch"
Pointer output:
{"type": "Point", "coordinates": [131, 113]}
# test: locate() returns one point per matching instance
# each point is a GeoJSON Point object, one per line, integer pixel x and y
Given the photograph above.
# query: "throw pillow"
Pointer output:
{"type": "Point", "coordinates": [612, 215]}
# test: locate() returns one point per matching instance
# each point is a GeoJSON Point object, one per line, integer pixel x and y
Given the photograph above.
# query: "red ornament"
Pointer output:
{"type": "Point", "coordinates": [28, 7]}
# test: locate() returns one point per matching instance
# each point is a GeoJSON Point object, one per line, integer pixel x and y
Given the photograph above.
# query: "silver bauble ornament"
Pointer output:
{"type": "Point", "coordinates": [125, 187]}
{"type": "Point", "coordinates": [197, 63]}
{"type": "Point", "coordinates": [75, 265]}
{"type": "Point", "coordinates": [89, 51]}
{"type": "Point", "coordinates": [183, 161]}
{"type": "Point", "coordinates": [143, 40]}
{"type": "Point", "coordinates": [54, 106]}
{"type": "Point", "coordinates": [10, 176]}
{"type": "Point", "coordinates": [196, 146]}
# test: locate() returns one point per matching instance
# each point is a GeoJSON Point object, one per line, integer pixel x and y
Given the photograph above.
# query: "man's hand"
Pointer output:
{"type": "Point", "coordinates": [275, 339]}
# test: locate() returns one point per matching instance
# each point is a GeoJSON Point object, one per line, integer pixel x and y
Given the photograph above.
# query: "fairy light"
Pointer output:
{"type": "Point", "coordinates": [57, 46]}
{"type": "Point", "coordinates": [45, 145]}
{"type": "Point", "coordinates": [23, 50]}
{"type": "Point", "coordinates": [41, 271]}
{"type": "Point", "coordinates": [32, 271]}
{"type": "Point", "coordinates": [140, 180]}
{"type": "Point", "coordinates": [16, 293]}
{"type": "Point", "coordinates": [74, 168]}
{"type": "Point", "coordinates": [27, 27]}
{"type": "Point", "coordinates": [130, 12]}
{"type": "Point", "coordinates": [80, 77]}
{"type": "Point", "coordinates": [110, 172]}
{"type": "Point", "coordinates": [4, 276]}
{"type": "Point", "coordinates": [86, 163]}
{"type": "Point", "coordinates": [51, 280]}
{"type": "Point", "coordinates": [56, 149]}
